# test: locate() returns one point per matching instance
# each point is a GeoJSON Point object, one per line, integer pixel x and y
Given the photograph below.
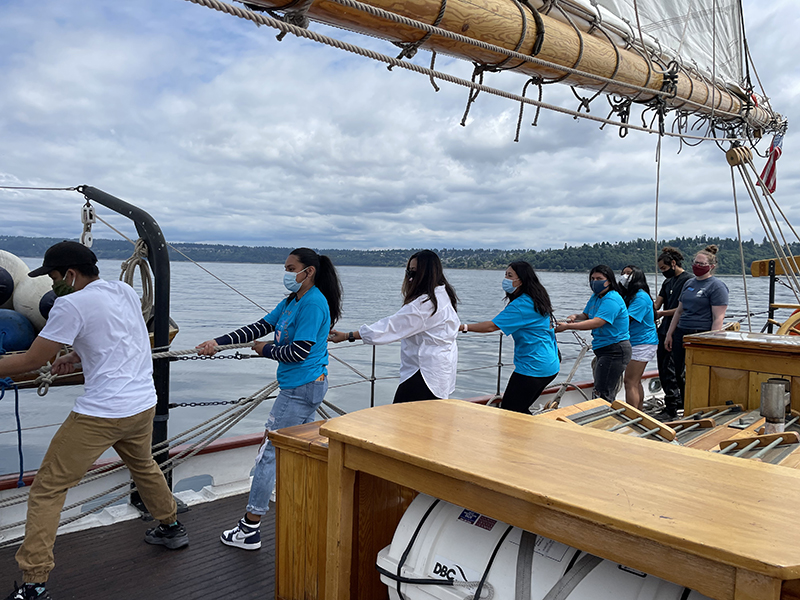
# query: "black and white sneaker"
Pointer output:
{"type": "Point", "coordinates": [29, 591]}
{"type": "Point", "coordinates": [171, 536]}
{"type": "Point", "coordinates": [244, 536]}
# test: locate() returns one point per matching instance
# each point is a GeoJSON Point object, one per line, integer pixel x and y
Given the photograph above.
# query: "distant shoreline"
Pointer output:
{"type": "Point", "coordinates": [570, 259]}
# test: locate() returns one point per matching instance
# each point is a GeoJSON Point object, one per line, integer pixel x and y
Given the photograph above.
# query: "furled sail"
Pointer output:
{"type": "Point", "coordinates": [706, 34]}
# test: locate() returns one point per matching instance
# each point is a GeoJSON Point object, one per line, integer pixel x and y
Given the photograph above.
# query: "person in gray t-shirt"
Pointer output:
{"type": "Point", "coordinates": [702, 307]}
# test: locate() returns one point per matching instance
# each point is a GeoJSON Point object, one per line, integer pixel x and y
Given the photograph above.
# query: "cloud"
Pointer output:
{"type": "Point", "coordinates": [225, 135]}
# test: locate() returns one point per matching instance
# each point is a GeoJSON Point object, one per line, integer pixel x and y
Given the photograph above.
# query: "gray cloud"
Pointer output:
{"type": "Point", "coordinates": [226, 135]}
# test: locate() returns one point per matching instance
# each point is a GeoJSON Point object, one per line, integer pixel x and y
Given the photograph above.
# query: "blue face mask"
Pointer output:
{"type": "Point", "coordinates": [291, 283]}
{"type": "Point", "coordinates": [508, 286]}
{"type": "Point", "coordinates": [598, 285]}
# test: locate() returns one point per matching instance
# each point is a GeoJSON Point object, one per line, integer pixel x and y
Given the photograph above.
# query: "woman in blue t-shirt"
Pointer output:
{"type": "Point", "coordinates": [606, 316]}
{"type": "Point", "coordinates": [642, 329]}
{"type": "Point", "coordinates": [702, 307]}
{"type": "Point", "coordinates": [301, 322]}
{"type": "Point", "coordinates": [528, 319]}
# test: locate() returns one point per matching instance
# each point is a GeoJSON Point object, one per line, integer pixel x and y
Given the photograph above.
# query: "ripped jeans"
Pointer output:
{"type": "Point", "coordinates": [293, 406]}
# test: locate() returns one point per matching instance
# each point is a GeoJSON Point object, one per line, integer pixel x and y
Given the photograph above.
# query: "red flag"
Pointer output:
{"type": "Point", "coordinates": [770, 173]}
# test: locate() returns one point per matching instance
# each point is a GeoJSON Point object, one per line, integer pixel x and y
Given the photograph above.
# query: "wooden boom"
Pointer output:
{"type": "Point", "coordinates": [500, 23]}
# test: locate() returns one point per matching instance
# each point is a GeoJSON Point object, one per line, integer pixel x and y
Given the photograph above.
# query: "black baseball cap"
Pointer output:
{"type": "Point", "coordinates": [64, 255]}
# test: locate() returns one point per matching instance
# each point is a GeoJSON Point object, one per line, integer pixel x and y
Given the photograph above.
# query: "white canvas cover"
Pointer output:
{"type": "Point", "coordinates": [689, 28]}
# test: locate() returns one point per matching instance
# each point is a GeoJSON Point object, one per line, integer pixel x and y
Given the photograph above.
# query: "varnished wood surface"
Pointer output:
{"type": "Point", "coordinates": [731, 366]}
{"type": "Point", "coordinates": [302, 515]}
{"type": "Point", "coordinates": [725, 511]}
{"type": "Point", "coordinates": [760, 268]}
{"type": "Point", "coordinates": [748, 341]}
{"type": "Point", "coordinates": [500, 22]}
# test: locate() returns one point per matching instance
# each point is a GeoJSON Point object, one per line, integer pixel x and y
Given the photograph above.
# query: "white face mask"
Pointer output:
{"type": "Point", "coordinates": [291, 283]}
{"type": "Point", "coordinates": [624, 279]}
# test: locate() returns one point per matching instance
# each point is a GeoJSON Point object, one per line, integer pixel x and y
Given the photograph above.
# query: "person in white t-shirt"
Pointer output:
{"type": "Point", "coordinates": [103, 323]}
{"type": "Point", "coordinates": [427, 324]}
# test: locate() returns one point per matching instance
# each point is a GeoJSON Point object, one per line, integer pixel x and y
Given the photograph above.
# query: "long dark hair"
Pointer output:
{"type": "Point", "coordinates": [530, 284]}
{"type": "Point", "coordinates": [606, 272]}
{"type": "Point", "coordinates": [637, 281]}
{"type": "Point", "coordinates": [668, 254]}
{"type": "Point", "coordinates": [428, 277]}
{"type": "Point", "coordinates": [326, 279]}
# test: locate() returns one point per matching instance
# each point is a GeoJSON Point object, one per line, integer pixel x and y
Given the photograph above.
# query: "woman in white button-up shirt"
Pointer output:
{"type": "Point", "coordinates": [426, 325]}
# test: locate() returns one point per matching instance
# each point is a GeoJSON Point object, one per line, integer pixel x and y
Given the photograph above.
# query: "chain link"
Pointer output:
{"type": "Point", "coordinates": [211, 403]}
{"type": "Point", "coordinates": [236, 356]}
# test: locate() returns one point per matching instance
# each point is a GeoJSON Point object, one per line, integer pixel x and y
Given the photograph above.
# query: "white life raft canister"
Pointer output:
{"type": "Point", "coordinates": [449, 550]}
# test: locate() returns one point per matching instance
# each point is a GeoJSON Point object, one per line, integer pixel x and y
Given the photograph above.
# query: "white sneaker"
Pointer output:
{"type": "Point", "coordinates": [244, 536]}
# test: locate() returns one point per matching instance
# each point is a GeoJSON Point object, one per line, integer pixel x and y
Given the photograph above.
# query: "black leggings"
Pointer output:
{"type": "Point", "coordinates": [679, 358]}
{"type": "Point", "coordinates": [412, 389]}
{"type": "Point", "coordinates": [611, 363]}
{"type": "Point", "coordinates": [667, 375]}
{"type": "Point", "coordinates": [523, 390]}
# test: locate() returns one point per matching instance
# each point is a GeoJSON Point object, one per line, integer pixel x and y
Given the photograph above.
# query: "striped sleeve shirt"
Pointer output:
{"type": "Point", "coordinates": [246, 334]}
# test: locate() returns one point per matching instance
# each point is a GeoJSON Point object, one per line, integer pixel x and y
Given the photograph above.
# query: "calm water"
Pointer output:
{"type": "Point", "coordinates": [205, 308]}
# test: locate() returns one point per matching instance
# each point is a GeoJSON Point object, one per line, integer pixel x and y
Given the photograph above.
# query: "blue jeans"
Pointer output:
{"type": "Point", "coordinates": [293, 406]}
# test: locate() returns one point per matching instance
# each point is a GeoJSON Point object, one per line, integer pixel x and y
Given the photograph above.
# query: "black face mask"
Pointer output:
{"type": "Point", "coordinates": [669, 273]}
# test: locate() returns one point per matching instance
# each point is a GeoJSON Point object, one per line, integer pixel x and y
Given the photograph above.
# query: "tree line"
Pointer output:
{"type": "Point", "coordinates": [640, 252]}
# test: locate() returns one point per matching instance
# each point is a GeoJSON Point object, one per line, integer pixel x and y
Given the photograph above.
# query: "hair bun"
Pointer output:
{"type": "Point", "coordinates": [711, 249]}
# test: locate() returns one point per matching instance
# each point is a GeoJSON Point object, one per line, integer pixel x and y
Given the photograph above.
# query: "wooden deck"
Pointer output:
{"type": "Point", "coordinates": [115, 562]}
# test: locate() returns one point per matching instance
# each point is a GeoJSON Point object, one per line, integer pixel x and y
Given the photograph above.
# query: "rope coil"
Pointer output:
{"type": "Point", "coordinates": [128, 272]}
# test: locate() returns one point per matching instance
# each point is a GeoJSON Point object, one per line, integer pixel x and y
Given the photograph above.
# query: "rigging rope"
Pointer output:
{"type": "Point", "coordinates": [658, 190]}
{"type": "Point", "coordinates": [128, 271]}
{"type": "Point", "coordinates": [241, 410]}
{"type": "Point", "coordinates": [790, 269]}
{"type": "Point", "coordinates": [741, 158]}
{"type": "Point", "coordinates": [307, 34]}
{"type": "Point", "coordinates": [217, 278]}
{"type": "Point", "coordinates": [741, 251]}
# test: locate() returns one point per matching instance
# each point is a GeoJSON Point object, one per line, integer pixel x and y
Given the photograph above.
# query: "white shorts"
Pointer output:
{"type": "Point", "coordinates": [644, 352]}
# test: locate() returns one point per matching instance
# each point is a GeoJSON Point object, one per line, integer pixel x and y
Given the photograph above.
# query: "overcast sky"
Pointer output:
{"type": "Point", "coordinates": [225, 135]}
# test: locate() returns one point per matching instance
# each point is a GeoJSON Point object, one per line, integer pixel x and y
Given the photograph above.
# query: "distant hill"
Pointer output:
{"type": "Point", "coordinates": [575, 258]}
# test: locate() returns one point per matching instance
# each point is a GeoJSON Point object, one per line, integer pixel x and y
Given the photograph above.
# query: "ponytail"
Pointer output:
{"type": "Point", "coordinates": [326, 279]}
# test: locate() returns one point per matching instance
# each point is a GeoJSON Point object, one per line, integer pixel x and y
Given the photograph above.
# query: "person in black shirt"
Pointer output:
{"type": "Point", "coordinates": [669, 263]}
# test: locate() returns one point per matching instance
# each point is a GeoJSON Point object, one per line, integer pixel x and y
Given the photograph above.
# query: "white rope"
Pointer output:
{"type": "Point", "coordinates": [658, 191]}
{"type": "Point", "coordinates": [173, 353]}
{"type": "Point", "coordinates": [110, 226]}
{"type": "Point", "coordinates": [790, 265]}
{"type": "Point", "coordinates": [217, 278]}
{"type": "Point", "coordinates": [241, 409]}
{"type": "Point", "coordinates": [768, 195]}
{"type": "Point", "coordinates": [128, 272]}
{"type": "Point", "coordinates": [432, 29]}
{"type": "Point", "coordinates": [741, 251]}
{"type": "Point", "coordinates": [305, 33]}
{"type": "Point", "coordinates": [187, 258]}
{"type": "Point", "coordinates": [764, 218]}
